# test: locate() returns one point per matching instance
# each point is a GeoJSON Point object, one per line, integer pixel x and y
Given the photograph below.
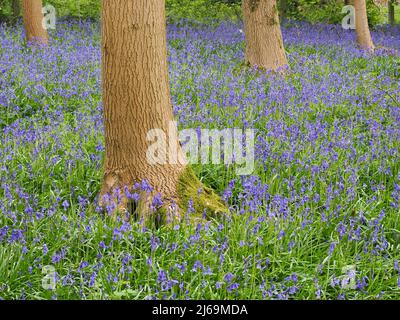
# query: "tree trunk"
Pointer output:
{"type": "Point", "coordinates": [136, 96]}
{"type": "Point", "coordinates": [283, 8]}
{"type": "Point", "coordinates": [362, 29]}
{"type": "Point", "coordinates": [33, 17]}
{"type": "Point", "coordinates": [16, 8]}
{"type": "Point", "coordinates": [264, 44]}
{"type": "Point", "coordinates": [391, 12]}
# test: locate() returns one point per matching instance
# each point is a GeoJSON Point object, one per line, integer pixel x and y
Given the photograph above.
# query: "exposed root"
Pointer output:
{"type": "Point", "coordinates": [195, 201]}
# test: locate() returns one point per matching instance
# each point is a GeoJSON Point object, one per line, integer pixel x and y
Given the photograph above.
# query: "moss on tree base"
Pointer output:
{"type": "Point", "coordinates": [193, 200]}
{"type": "Point", "coordinates": [202, 200]}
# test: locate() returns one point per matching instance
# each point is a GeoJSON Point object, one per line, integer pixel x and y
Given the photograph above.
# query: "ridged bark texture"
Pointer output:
{"type": "Point", "coordinates": [136, 95]}
{"type": "Point", "coordinates": [362, 29]}
{"type": "Point", "coordinates": [264, 44]}
{"type": "Point", "coordinates": [33, 17]}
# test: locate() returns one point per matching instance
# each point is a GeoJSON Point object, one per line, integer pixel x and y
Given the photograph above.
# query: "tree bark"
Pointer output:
{"type": "Point", "coordinates": [16, 8]}
{"type": "Point", "coordinates": [362, 29]}
{"type": "Point", "coordinates": [283, 8]}
{"type": "Point", "coordinates": [391, 12]}
{"type": "Point", "coordinates": [136, 96]}
{"type": "Point", "coordinates": [33, 17]}
{"type": "Point", "coordinates": [264, 44]}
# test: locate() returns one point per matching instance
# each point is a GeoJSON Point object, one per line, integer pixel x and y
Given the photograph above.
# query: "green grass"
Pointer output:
{"type": "Point", "coordinates": [318, 204]}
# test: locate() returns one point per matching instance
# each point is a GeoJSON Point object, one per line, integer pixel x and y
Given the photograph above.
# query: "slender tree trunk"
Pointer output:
{"type": "Point", "coordinates": [264, 44]}
{"type": "Point", "coordinates": [362, 29]}
{"type": "Point", "coordinates": [136, 96]}
{"type": "Point", "coordinates": [16, 8]}
{"type": "Point", "coordinates": [33, 17]}
{"type": "Point", "coordinates": [283, 8]}
{"type": "Point", "coordinates": [391, 12]}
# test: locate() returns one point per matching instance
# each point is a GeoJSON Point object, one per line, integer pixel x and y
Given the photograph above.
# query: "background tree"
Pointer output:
{"type": "Point", "coordinates": [391, 11]}
{"type": "Point", "coordinates": [283, 4]}
{"type": "Point", "coordinates": [362, 29]}
{"type": "Point", "coordinates": [264, 44]}
{"type": "Point", "coordinates": [136, 99]}
{"type": "Point", "coordinates": [16, 8]}
{"type": "Point", "coordinates": [33, 17]}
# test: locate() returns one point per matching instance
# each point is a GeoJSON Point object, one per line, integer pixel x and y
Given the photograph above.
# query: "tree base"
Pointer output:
{"type": "Point", "coordinates": [196, 197]}
{"type": "Point", "coordinates": [193, 201]}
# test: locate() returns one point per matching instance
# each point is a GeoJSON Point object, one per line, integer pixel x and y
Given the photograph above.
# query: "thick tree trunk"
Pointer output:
{"type": "Point", "coordinates": [362, 29]}
{"type": "Point", "coordinates": [33, 17]}
{"type": "Point", "coordinates": [391, 12]}
{"type": "Point", "coordinates": [264, 44]}
{"type": "Point", "coordinates": [136, 96]}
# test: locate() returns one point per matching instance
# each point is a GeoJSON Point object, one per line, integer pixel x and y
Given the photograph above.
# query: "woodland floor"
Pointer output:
{"type": "Point", "coordinates": [319, 218]}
